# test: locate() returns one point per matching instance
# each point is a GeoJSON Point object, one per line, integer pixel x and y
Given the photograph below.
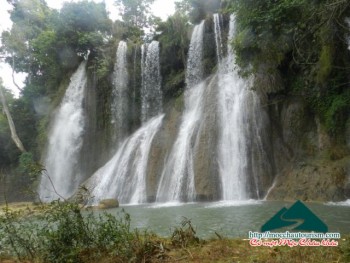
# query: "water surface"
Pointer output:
{"type": "Point", "coordinates": [229, 219]}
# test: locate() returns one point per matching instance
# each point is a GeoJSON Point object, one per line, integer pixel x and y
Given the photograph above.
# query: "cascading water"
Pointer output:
{"type": "Point", "coordinates": [65, 141]}
{"type": "Point", "coordinates": [240, 116]}
{"type": "Point", "coordinates": [124, 176]}
{"type": "Point", "coordinates": [120, 102]}
{"type": "Point", "coordinates": [218, 36]}
{"type": "Point", "coordinates": [177, 179]}
{"type": "Point", "coordinates": [194, 72]}
{"type": "Point", "coordinates": [151, 93]}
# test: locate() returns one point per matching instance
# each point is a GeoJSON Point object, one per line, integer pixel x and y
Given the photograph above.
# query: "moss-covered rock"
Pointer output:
{"type": "Point", "coordinates": [108, 203]}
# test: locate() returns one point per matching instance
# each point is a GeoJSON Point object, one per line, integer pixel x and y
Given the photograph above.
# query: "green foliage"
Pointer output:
{"type": "Point", "coordinates": [103, 67]}
{"type": "Point", "coordinates": [40, 39]}
{"type": "Point", "coordinates": [46, 44]}
{"type": "Point", "coordinates": [266, 29]}
{"type": "Point", "coordinates": [135, 13]}
{"type": "Point", "coordinates": [184, 235]}
{"type": "Point", "coordinates": [299, 41]}
{"type": "Point", "coordinates": [83, 25]}
{"type": "Point", "coordinates": [30, 18]}
{"type": "Point", "coordinates": [197, 10]}
{"type": "Point", "coordinates": [175, 84]}
{"type": "Point", "coordinates": [174, 43]}
{"type": "Point", "coordinates": [336, 113]}
{"type": "Point", "coordinates": [325, 64]}
{"type": "Point", "coordinates": [8, 150]}
{"type": "Point", "coordinates": [84, 16]}
{"type": "Point", "coordinates": [24, 116]}
{"type": "Point", "coordinates": [345, 249]}
{"type": "Point", "coordinates": [28, 167]}
{"type": "Point", "coordinates": [61, 232]}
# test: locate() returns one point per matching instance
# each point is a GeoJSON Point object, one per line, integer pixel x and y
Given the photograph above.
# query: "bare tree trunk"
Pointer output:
{"type": "Point", "coordinates": [13, 74]}
{"type": "Point", "coordinates": [14, 135]}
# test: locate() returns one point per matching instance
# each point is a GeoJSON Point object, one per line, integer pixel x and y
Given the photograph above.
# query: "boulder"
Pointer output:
{"type": "Point", "coordinates": [108, 203]}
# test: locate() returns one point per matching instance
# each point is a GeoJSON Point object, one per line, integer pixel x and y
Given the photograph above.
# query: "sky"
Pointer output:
{"type": "Point", "coordinates": [161, 8]}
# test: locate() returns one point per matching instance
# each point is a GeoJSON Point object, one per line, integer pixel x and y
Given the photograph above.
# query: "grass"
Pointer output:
{"type": "Point", "coordinates": [221, 251]}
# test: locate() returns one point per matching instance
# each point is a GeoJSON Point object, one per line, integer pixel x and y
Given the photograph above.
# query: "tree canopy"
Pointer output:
{"type": "Point", "coordinates": [47, 45]}
{"type": "Point", "coordinates": [135, 13]}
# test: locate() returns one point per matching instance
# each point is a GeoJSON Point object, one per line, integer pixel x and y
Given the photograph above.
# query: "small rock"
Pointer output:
{"type": "Point", "coordinates": [108, 203]}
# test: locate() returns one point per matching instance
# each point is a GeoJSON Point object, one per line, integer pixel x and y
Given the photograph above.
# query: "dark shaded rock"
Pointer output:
{"type": "Point", "coordinates": [347, 190]}
{"type": "Point", "coordinates": [347, 133]}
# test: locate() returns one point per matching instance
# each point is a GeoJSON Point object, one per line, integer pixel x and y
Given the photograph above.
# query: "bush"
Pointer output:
{"type": "Point", "coordinates": [185, 235]}
{"type": "Point", "coordinates": [61, 232]}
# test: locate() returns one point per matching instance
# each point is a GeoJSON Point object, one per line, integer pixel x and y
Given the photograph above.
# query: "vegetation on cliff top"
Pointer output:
{"type": "Point", "coordinates": [304, 45]}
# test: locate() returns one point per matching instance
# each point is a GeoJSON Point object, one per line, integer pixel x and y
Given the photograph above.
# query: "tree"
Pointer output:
{"type": "Point", "coordinates": [303, 45]}
{"type": "Point", "coordinates": [174, 41]}
{"type": "Point", "coordinates": [82, 26]}
{"type": "Point", "coordinates": [8, 150]}
{"type": "Point", "coordinates": [135, 13]}
{"type": "Point", "coordinates": [29, 19]}
{"type": "Point", "coordinates": [197, 10]}
{"type": "Point", "coordinates": [11, 124]}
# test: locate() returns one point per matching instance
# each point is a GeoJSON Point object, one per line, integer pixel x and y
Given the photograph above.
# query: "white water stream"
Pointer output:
{"type": "Point", "coordinates": [62, 177]}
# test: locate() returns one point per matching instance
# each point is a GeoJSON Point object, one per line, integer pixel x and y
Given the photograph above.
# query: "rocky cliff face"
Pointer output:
{"type": "Point", "coordinates": [304, 162]}
{"type": "Point", "coordinates": [300, 160]}
{"type": "Point", "coordinates": [206, 167]}
{"type": "Point", "coordinates": [161, 146]}
{"type": "Point", "coordinates": [310, 165]}
{"type": "Point", "coordinates": [206, 173]}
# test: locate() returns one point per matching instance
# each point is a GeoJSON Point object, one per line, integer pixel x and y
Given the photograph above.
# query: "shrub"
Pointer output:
{"type": "Point", "coordinates": [62, 232]}
{"type": "Point", "coordinates": [185, 235]}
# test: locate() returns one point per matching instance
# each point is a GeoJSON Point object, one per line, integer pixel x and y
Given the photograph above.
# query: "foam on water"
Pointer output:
{"type": "Point", "coordinates": [343, 203]}
{"type": "Point", "coordinates": [234, 203]}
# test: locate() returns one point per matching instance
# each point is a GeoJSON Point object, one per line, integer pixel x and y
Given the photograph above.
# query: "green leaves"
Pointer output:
{"type": "Point", "coordinates": [45, 44]}
{"type": "Point", "coordinates": [302, 41]}
{"type": "Point", "coordinates": [83, 16]}
{"type": "Point", "coordinates": [174, 42]}
{"type": "Point", "coordinates": [28, 167]}
{"type": "Point", "coordinates": [61, 232]}
{"type": "Point", "coordinates": [82, 26]}
{"type": "Point", "coordinates": [135, 13]}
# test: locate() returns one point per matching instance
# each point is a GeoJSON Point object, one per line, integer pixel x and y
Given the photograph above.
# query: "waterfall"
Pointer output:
{"type": "Point", "coordinates": [135, 93]}
{"type": "Point", "coordinates": [240, 150]}
{"type": "Point", "coordinates": [124, 176]}
{"type": "Point", "coordinates": [120, 101]}
{"type": "Point", "coordinates": [65, 142]}
{"type": "Point", "coordinates": [151, 93]}
{"type": "Point", "coordinates": [194, 72]}
{"type": "Point", "coordinates": [177, 179]}
{"type": "Point", "coordinates": [218, 36]}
